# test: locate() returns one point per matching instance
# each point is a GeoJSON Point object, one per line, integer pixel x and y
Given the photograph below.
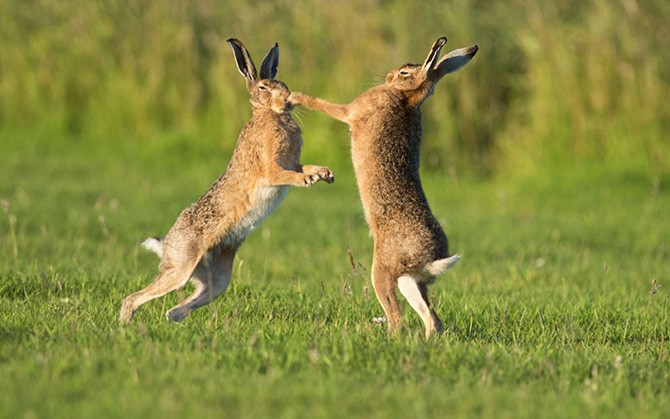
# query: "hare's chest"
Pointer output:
{"type": "Point", "coordinates": [263, 202]}
{"type": "Point", "coordinates": [267, 199]}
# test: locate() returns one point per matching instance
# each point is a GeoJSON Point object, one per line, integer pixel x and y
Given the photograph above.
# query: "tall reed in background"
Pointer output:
{"type": "Point", "coordinates": [554, 82]}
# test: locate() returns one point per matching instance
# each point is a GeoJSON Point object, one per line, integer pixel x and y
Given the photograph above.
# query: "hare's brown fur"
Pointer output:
{"type": "Point", "coordinates": [410, 247]}
{"type": "Point", "coordinates": [202, 243]}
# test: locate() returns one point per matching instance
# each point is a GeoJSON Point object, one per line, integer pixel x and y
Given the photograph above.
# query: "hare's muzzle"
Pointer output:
{"type": "Point", "coordinates": [281, 105]}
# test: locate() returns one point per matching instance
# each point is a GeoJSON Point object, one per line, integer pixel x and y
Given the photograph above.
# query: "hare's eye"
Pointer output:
{"type": "Point", "coordinates": [262, 87]}
{"type": "Point", "coordinates": [404, 73]}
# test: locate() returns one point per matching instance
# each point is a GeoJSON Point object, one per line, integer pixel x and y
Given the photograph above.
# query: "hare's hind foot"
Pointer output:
{"type": "Point", "coordinates": [127, 311]}
{"type": "Point", "coordinates": [385, 290]}
{"type": "Point", "coordinates": [416, 294]}
{"type": "Point", "coordinates": [211, 277]}
{"type": "Point", "coordinates": [177, 314]}
{"type": "Point", "coordinates": [166, 282]}
{"type": "Point", "coordinates": [442, 265]}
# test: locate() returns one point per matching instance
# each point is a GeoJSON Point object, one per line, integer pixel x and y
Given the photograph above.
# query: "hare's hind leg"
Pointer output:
{"type": "Point", "coordinates": [171, 278]}
{"type": "Point", "coordinates": [212, 277]}
{"type": "Point", "coordinates": [416, 294]}
{"type": "Point", "coordinates": [385, 289]}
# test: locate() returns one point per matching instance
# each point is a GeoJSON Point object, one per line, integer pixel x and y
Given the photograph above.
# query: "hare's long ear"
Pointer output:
{"type": "Point", "coordinates": [434, 54]}
{"type": "Point", "coordinates": [270, 63]}
{"type": "Point", "coordinates": [455, 60]}
{"type": "Point", "coordinates": [243, 60]}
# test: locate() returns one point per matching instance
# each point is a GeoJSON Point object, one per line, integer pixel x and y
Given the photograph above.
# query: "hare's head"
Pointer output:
{"type": "Point", "coordinates": [418, 81]}
{"type": "Point", "coordinates": [264, 92]}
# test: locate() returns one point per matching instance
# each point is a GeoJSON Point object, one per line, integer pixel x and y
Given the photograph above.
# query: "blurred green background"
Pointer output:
{"type": "Point", "coordinates": [554, 81]}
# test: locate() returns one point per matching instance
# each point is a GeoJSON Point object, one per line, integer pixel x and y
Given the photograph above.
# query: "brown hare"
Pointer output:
{"type": "Point", "coordinates": [202, 243]}
{"type": "Point", "coordinates": [410, 248]}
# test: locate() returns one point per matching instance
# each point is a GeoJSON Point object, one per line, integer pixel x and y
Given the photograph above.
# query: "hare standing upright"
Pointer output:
{"type": "Point", "coordinates": [410, 248]}
{"type": "Point", "coordinates": [202, 243]}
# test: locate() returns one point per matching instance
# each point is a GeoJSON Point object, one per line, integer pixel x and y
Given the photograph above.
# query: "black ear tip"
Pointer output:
{"type": "Point", "coordinates": [442, 40]}
{"type": "Point", "coordinates": [234, 42]}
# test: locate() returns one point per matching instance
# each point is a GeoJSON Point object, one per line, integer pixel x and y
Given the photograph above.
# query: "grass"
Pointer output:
{"type": "Point", "coordinates": [551, 313]}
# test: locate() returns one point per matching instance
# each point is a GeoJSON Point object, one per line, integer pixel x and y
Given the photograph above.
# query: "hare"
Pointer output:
{"type": "Point", "coordinates": [202, 243]}
{"type": "Point", "coordinates": [410, 247]}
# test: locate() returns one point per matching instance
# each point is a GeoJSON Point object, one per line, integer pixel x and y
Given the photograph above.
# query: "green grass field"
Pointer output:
{"type": "Point", "coordinates": [551, 312]}
{"type": "Point", "coordinates": [547, 160]}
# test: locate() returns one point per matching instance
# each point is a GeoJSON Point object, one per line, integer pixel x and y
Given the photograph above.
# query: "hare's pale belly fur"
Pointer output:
{"type": "Point", "coordinates": [265, 201]}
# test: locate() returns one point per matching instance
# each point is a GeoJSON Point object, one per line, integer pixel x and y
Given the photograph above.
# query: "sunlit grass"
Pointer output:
{"type": "Point", "coordinates": [551, 313]}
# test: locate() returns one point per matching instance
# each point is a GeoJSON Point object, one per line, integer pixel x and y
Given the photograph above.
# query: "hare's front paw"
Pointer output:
{"type": "Point", "coordinates": [296, 98]}
{"type": "Point", "coordinates": [314, 174]}
{"type": "Point", "coordinates": [309, 179]}
{"type": "Point", "coordinates": [325, 174]}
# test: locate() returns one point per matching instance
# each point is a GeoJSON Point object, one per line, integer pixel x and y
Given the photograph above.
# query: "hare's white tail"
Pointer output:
{"type": "Point", "coordinates": [442, 265]}
{"type": "Point", "coordinates": [155, 244]}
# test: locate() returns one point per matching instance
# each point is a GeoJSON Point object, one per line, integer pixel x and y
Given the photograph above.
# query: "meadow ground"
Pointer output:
{"type": "Point", "coordinates": [552, 311]}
